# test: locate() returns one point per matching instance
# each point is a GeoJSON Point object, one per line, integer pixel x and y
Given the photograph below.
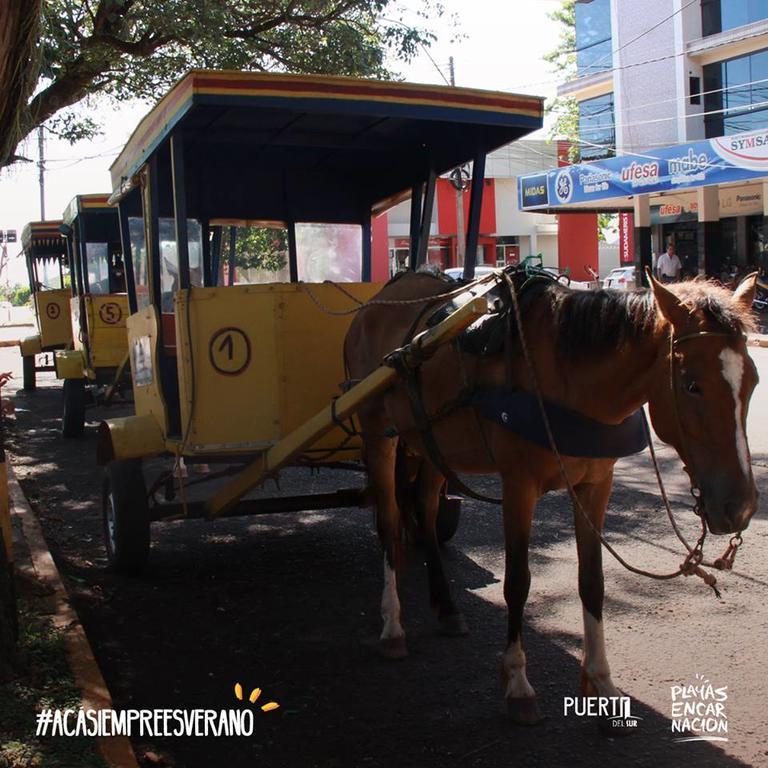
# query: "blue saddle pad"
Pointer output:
{"type": "Point", "coordinates": [575, 434]}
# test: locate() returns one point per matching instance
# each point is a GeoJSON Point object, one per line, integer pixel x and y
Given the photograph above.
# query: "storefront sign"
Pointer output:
{"type": "Point", "coordinates": [626, 238]}
{"type": "Point", "coordinates": [715, 161]}
{"type": "Point", "coordinates": [534, 190]}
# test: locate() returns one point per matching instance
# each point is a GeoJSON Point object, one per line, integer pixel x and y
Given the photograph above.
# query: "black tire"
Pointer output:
{"type": "Point", "coordinates": [448, 516]}
{"type": "Point", "coordinates": [29, 372]}
{"type": "Point", "coordinates": [126, 516]}
{"type": "Point", "coordinates": [73, 417]}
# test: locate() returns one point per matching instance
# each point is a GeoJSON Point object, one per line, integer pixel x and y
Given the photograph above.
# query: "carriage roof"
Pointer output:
{"type": "Point", "coordinates": [43, 240]}
{"type": "Point", "coordinates": [94, 203]}
{"type": "Point", "coordinates": [327, 148]}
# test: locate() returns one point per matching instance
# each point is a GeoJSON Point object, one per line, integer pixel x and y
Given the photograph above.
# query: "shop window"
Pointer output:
{"type": "Point", "coordinates": [718, 15]}
{"type": "Point", "coordinates": [597, 134]}
{"type": "Point", "coordinates": [736, 95]}
{"type": "Point", "coordinates": [593, 37]}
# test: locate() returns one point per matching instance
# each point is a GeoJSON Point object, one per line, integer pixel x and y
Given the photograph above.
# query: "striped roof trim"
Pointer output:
{"type": "Point", "coordinates": [425, 101]}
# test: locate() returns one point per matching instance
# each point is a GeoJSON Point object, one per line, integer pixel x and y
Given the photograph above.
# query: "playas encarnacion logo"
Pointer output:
{"type": "Point", "coordinates": [699, 711]}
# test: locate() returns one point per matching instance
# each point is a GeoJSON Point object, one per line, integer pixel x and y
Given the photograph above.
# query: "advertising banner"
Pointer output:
{"type": "Point", "coordinates": [721, 160]}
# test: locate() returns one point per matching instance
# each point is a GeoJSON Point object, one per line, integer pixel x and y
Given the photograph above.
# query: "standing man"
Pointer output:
{"type": "Point", "coordinates": [669, 266]}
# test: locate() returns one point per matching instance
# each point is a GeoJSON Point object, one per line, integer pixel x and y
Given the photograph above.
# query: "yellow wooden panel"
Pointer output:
{"type": "Point", "coordinates": [107, 339]}
{"type": "Point", "coordinates": [52, 309]}
{"type": "Point", "coordinates": [145, 371]}
{"type": "Point", "coordinates": [229, 367]}
{"type": "Point", "coordinates": [312, 363]}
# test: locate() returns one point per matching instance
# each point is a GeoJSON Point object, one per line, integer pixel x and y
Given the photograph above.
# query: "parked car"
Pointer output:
{"type": "Point", "coordinates": [481, 271]}
{"type": "Point", "coordinates": [577, 285]}
{"type": "Point", "coordinates": [621, 279]}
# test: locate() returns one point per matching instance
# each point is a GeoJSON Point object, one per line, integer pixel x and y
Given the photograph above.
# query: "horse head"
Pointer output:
{"type": "Point", "coordinates": [700, 397]}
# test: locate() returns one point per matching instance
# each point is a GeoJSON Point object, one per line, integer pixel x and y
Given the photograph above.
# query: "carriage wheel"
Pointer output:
{"type": "Point", "coordinates": [29, 372]}
{"type": "Point", "coordinates": [448, 516]}
{"type": "Point", "coordinates": [73, 418]}
{"type": "Point", "coordinates": [126, 516]}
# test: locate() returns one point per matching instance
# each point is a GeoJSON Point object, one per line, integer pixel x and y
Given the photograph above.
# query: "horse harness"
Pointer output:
{"type": "Point", "coordinates": [513, 410]}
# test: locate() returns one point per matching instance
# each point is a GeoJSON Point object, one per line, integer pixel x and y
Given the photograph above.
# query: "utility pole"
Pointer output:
{"type": "Point", "coordinates": [460, 243]}
{"type": "Point", "coordinates": [41, 166]}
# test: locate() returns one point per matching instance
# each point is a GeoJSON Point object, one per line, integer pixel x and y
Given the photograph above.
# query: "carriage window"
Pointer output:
{"type": "Point", "coordinates": [169, 259]}
{"type": "Point", "coordinates": [329, 252]}
{"type": "Point", "coordinates": [261, 256]}
{"type": "Point", "coordinates": [139, 261]}
{"type": "Point", "coordinates": [98, 267]}
{"type": "Point", "coordinates": [49, 275]}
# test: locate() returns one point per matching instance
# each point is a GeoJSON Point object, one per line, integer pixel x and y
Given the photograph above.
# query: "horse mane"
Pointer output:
{"type": "Point", "coordinates": [588, 323]}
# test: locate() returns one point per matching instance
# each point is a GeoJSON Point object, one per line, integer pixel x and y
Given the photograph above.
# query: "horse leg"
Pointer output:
{"type": "Point", "coordinates": [595, 672]}
{"type": "Point", "coordinates": [519, 504]}
{"type": "Point", "coordinates": [431, 483]}
{"type": "Point", "coordinates": [380, 461]}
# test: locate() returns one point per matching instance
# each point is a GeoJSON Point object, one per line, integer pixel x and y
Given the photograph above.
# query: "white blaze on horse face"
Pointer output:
{"type": "Point", "coordinates": [518, 686]}
{"type": "Point", "coordinates": [595, 659]}
{"type": "Point", "coordinates": [390, 606]}
{"type": "Point", "coordinates": [733, 372]}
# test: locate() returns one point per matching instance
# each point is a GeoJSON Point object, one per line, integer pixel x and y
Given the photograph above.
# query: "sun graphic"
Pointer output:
{"type": "Point", "coordinates": [255, 693]}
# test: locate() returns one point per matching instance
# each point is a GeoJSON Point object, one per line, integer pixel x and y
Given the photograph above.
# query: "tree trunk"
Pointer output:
{"type": "Point", "coordinates": [19, 68]}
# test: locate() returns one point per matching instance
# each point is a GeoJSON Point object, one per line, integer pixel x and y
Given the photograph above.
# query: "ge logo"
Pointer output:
{"type": "Point", "coordinates": [52, 310]}
{"type": "Point", "coordinates": [110, 313]}
{"type": "Point", "coordinates": [230, 351]}
{"type": "Point", "coordinates": [563, 186]}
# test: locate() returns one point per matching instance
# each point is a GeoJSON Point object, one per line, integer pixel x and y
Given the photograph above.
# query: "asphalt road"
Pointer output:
{"type": "Point", "coordinates": [290, 604]}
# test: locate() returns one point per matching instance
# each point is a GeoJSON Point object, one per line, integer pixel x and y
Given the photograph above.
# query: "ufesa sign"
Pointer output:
{"type": "Point", "coordinates": [739, 157]}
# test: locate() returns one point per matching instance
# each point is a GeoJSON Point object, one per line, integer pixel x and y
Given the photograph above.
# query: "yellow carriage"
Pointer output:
{"type": "Point", "coordinates": [227, 369]}
{"type": "Point", "coordinates": [46, 257]}
{"type": "Point", "coordinates": [98, 308]}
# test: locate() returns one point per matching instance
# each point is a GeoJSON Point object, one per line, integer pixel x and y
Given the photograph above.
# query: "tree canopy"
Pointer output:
{"type": "Point", "coordinates": [137, 49]}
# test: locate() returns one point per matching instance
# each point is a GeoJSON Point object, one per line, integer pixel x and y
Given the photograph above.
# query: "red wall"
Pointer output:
{"type": "Point", "coordinates": [446, 208]}
{"type": "Point", "coordinates": [380, 249]}
{"type": "Point", "coordinates": [577, 244]}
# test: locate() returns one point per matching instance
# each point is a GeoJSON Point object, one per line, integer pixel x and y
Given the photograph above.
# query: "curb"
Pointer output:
{"type": "Point", "coordinates": [116, 750]}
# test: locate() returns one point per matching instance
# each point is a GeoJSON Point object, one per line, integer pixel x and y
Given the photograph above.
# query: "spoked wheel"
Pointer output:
{"type": "Point", "coordinates": [126, 516]}
{"type": "Point", "coordinates": [73, 418]}
{"type": "Point", "coordinates": [29, 372]}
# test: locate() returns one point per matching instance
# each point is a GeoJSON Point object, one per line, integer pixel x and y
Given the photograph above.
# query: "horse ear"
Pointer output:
{"type": "Point", "coordinates": [745, 293]}
{"type": "Point", "coordinates": [669, 305]}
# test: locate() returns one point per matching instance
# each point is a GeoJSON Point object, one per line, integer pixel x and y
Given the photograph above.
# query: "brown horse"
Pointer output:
{"type": "Point", "coordinates": [602, 354]}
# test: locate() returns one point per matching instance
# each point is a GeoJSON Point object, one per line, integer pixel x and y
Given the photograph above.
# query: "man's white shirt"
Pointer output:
{"type": "Point", "coordinates": [668, 266]}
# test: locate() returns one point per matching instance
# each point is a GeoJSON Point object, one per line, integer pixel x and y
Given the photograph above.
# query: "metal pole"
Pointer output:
{"type": "Point", "coordinates": [460, 243]}
{"type": "Point", "coordinates": [41, 166]}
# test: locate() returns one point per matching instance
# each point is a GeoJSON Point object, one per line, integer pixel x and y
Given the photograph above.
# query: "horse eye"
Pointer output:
{"type": "Point", "coordinates": [692, 388]}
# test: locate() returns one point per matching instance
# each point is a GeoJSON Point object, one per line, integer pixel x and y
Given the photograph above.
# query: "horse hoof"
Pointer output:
{"type": "Point", "coordinates": [524, 711]}
{"type": "Point", "coordinates": [453, 625]}
{"type": "Point", "coordinates": [393, 648]}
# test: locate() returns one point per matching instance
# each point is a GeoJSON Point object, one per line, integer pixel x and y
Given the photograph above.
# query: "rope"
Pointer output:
{"type": "Point", "coordinates": [389, 302]}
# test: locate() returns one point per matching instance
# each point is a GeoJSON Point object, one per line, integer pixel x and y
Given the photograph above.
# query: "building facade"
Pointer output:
{"type": "Point", "coordinates": [507, 235]}
{"type": "Point", "coordinates": [658, 73]}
